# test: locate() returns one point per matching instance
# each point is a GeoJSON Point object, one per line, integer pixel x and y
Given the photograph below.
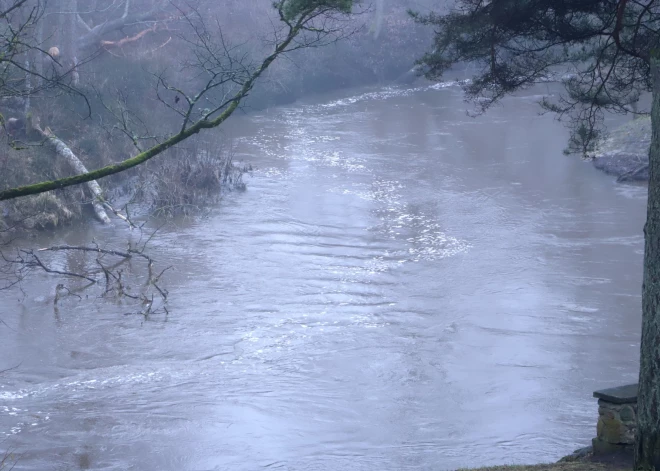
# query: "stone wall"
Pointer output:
{"type": "Point", "coordinates": [616, 427]}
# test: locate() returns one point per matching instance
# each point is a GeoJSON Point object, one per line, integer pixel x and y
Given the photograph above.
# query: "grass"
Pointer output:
{"type": "Point", "coordinates": [566, 466]}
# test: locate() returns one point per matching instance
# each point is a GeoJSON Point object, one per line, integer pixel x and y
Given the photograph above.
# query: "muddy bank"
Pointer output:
{"type": "Point", "coordinates": [624, 153]}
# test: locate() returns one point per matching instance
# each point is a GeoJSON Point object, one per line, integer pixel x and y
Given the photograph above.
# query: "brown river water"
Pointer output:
{"type": "Point", "coordinates": [401, 287]}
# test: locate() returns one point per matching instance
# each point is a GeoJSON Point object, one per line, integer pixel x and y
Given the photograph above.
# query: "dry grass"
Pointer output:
{"type": "Point", "coordinates": [570, 466]}
{"type": "Point", "coordinates": [185, 180]}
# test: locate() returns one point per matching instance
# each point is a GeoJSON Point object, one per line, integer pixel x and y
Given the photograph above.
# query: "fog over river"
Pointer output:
{"type": "Point", "coordinates": [401, 287]}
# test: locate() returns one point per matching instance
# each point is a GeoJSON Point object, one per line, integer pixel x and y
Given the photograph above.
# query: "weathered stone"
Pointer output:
{"type": "Point", "coordinates": [608, 413]}
{"type": "Point", "coordinates": [627, 413]}
{"type": "Point", "coordinates": [611, 430]}
{"type": "Point", "coordinates": [628, 436]}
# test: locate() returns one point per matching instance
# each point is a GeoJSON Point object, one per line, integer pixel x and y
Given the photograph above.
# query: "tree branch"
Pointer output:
{"type": "Point", "coordinates": [232, 104]}
{"type": "Point", "coordinates": [94, 36]}
{"type": "Point", "coordinates": [16, 5]}
{"type": "Point", "coordinates": [83, 22]}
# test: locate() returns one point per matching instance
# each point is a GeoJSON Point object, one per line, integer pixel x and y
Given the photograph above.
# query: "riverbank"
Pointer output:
{"type": "Point", "coordinates": [574, 466]}
{"type": "Point", "coordinates": [182, 181]}
{"type": "Point", "coordinates": [583, 462]}
{"type": "Point", "coordinates": [624, 152]}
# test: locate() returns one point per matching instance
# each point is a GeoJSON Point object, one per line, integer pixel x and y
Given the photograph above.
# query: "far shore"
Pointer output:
{"type": "Point", "coordinates": [624, 151]}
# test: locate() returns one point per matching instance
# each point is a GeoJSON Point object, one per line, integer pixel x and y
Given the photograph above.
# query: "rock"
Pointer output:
{"type": "Point", "coordinates": [612, 430]}
{"type": "Point", "coordinates": [627, 414]}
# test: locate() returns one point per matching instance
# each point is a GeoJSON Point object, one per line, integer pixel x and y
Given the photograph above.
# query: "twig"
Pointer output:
{"type": "Point", "coordinates": [129, 254]}
{"type": "Point", "coordinates": [40, 264]}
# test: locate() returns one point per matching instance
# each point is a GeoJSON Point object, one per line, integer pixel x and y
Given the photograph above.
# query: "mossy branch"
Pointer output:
{"type": "Point", "coordinates": [206, 123]}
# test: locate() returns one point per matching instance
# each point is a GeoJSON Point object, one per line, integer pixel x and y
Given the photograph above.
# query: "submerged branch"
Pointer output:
{"type": "Point", "coordinates": [129, 254]}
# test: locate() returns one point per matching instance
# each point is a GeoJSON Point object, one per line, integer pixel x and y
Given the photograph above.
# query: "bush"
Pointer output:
{"type": "Point", "coordinates": [186, 180]}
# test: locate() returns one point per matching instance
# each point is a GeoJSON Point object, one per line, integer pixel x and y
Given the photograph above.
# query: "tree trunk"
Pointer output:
{"type": "Point", "coordinates": [64, 151]}
{"type": "Point", "coordinates": [28, 86]}
{"type": "Point", "coordinates": [378, 20]}
{"type": "Point", "coordinates": [38, 59]}
{"type": "Point", "coordinates": [647, 446]}
{"type": "Point", "coordinates": [71, 42]}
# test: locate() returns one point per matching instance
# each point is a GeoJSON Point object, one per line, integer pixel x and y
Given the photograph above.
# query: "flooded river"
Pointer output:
{"type": "Point", "coordinates": [401, 287]}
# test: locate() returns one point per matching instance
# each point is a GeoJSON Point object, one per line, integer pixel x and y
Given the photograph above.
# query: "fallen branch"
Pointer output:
{"type": "Point", "coordinates": [92, 39]}
{"type": "Point", "coordinates": [121, 290]}
{"type": "Point", "coordinates": [129, 39]}
{"type": "Point", "coordinates": [36, 262]}
{"type": "Point", "coordinates": [118, 280]}
{"type": "Point", "coordinates": [154, 282]}
{"type": "Point", "coordinates": [82, 248]}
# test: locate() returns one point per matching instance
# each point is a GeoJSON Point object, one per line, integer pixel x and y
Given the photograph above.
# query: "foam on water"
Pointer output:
{"type": "Point", "coordinates": [390, 92]}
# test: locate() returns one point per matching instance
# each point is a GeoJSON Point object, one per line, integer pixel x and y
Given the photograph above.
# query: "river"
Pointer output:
{"type": "Point", "coordinates": [401, 287]}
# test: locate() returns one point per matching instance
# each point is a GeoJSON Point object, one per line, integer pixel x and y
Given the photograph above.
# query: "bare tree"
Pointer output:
{"type": "Point", "coordinates": [224, 73]}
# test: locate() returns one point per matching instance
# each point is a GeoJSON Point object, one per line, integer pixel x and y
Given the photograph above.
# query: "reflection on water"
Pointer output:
{"type": "Point", "coordinates": [401, 287]}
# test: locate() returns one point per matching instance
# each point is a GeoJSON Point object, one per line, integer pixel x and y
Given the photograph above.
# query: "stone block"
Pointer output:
{"type": "Point", "coordinates": [627, 413]}
{"type": "Point", "coordinates": [611, 430]}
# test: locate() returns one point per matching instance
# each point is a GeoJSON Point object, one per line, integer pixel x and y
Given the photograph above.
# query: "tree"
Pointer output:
{"type": "Point", "coordinates": [229, 76]}
{"type": "Point", "coordinates": [610, 51]}
{"type": "Point", "coordinates": [21, 75]}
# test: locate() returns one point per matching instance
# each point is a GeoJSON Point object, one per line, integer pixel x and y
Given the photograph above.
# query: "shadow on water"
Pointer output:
{"type": "Point", "coordinates": [401, 287]}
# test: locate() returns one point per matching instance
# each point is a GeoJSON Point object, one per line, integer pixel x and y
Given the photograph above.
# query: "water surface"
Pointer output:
{"type": "Point", "coordinates": [400, 287]}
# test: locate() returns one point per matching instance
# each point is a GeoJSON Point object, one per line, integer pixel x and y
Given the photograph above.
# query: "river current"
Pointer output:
{"type": "Point", "coordinates": [401, 287]}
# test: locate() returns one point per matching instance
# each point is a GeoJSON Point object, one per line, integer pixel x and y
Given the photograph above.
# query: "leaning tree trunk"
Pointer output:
{"type": "Point", "coordinates": [64, 151]}
{"type": "Point", "coordinates": [647, 447]}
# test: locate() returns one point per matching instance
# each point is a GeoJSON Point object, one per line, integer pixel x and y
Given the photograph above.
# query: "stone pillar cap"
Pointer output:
{"type": "Point", "coordinates": [619, 395]}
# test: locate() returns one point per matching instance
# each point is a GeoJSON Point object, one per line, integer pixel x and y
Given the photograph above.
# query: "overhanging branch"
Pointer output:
{"type": "Point", "coordinates": [184, 134]}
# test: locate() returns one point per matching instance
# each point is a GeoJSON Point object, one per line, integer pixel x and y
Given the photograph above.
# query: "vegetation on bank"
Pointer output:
{"type": "Point", "coordinates": [184, 181]}
{"type": "Point", "coordinates": [581, 460]}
